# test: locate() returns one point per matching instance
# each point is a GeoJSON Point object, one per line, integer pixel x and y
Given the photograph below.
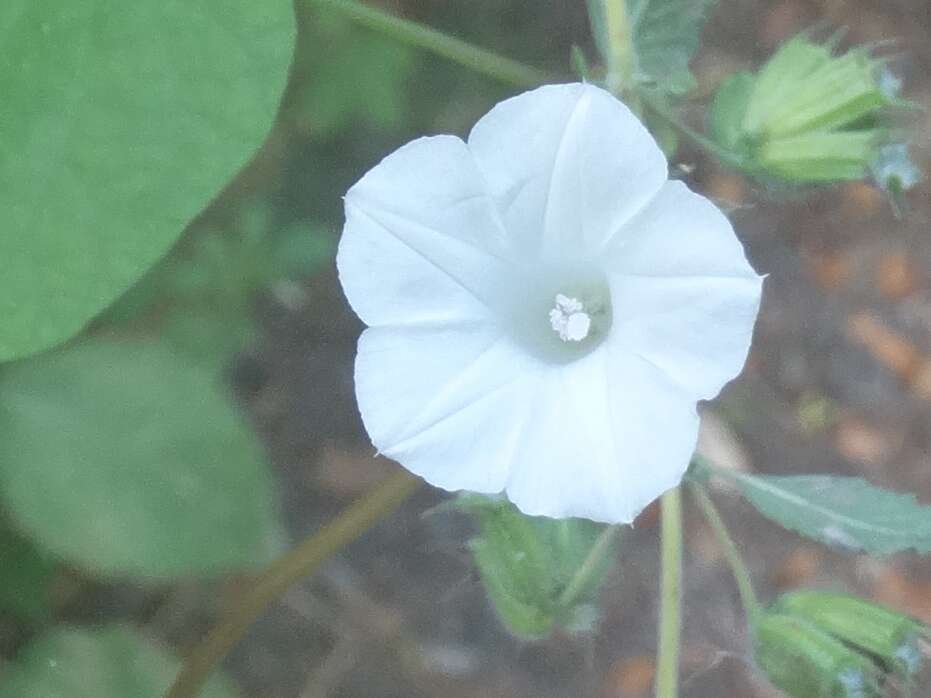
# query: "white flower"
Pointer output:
{"type": "Point", "coordinates": [545, 309]}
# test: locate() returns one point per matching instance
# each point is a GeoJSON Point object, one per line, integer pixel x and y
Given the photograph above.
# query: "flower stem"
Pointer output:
{"type": "Point", "coordinates": [741, 575]}
{"type": "Point", "coordinates": [295, 565]}
{"type": "Point", "coordinates": [670, 619]}
{"type": "Point", "coordinates": [583, 575]}
{"type": "Point", "coordinates": [478, 59]}
{"type": "Point", "coordinates": [725, 156]}
{"type": "Point", "coordinates": [620, 59]}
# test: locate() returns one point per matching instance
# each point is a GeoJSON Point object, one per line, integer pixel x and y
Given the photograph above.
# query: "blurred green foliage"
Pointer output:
{"type": "Point", "coordinates": [110, 662]}
{"type": "Point", "coordinates": [25, 577]}
{"type": "Point", "coordinates": [121, 121]}
{"type": "Point", "coordinates": [126, 458]}
{"type": "Point", "coordinates": [666, 35]}
{"type": "Point", "coordinates": [335, 53]}
{"type": "Point", "coordinates": [200, 299]}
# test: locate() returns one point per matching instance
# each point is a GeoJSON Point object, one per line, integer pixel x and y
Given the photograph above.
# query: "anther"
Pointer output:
{"type": "Point", "coordinates": [569, 319]}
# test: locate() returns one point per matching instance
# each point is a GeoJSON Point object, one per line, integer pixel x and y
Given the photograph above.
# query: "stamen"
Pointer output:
{"type": "Point", "coordinates": [569, 319]}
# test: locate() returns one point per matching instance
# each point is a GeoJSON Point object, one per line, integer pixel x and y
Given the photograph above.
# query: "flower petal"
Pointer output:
{"type": "Point", "coordinates": [447, 403]}
{"type": "Point", "coordinates": [697, 330]}
{"type": "Point", "coordinates": [679, 233]}
{"type": "Point", "coordinates": [684, 296]}
{"type": "Point", "coordinates": [423, 242]}
{"type": "Point", "coordinates": [567, 165]}
{"type": "Point", "coordinates": [606, 438]}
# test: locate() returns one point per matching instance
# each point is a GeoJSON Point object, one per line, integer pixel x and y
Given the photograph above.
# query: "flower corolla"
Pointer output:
{"type": "Point", "coordinates": [544, 307]}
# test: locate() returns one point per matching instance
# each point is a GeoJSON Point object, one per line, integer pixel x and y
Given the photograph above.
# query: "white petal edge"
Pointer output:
{"type": "Point", "coordinates": [567, 166]}
{"type": "Point", "coordinates": [697, 330]}
{"type": "Point", "coordinates": [684, 296]}
{"type": "Point", "coordinates": [423, 243]}
{"type": "Point", "coordinates": [605, 439]}
{"type": "Point", "coordinates": [679, 233]}
{"type": "Point", "coordinates": [447, 403]}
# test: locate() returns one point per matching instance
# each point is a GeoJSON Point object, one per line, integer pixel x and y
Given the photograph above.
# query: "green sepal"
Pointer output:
{"type": "Point", "coordinates": [515, 602]}
{"type": "Point", "coordinates": [806, 662]}
{"type": "Point", "coordinates": [728, 111]}
{"type": "Point", "coordinates": [785, 70]}
{"type": "Point", "coordinates": [837, 94]}
{"type": "Point", "coordinates": [534, 568]}
{"type": "Point", "coordinates": [809, 116]}
{"type": "Point", "coordinates": [890, 637]}
{"type": "Point", "coordinates": [819, 156]}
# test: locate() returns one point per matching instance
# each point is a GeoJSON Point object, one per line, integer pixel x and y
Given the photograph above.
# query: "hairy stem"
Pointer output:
{"type": "Point", "coordinates": [670, 619]}
{"type": "Point", "coordinates": [621, 57]}
{"type": "Point", "coordinates": [458, 51]}
{"type": "Point", "coordinates": [725, 156]}
{"type": "Point", "coordinates": [295, 565]}
{"type": "Point", "coordinates": [741, 575]}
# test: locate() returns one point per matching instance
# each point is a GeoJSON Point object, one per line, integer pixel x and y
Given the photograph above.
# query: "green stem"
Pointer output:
{"type": "Point", "coordinates": [295, 565]}
{"type": "Point", "coordinates": [670, 618]}
{"type": "Point", "coordinates": [725, 156]}
{"type": "Point", "coordinates": [620, 77]}
{"type": "Point", "coordinates": [459, 51]}
{"type": "Point", "coordinates": [741, 574]}
{"type": "Point", "coordinates": [702, 470]}
{"type": "Point", "coordinates": [590, 565]}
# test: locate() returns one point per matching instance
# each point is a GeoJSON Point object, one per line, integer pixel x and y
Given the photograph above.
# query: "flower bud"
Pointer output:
{"type": "Point", "coordinates": [540, 573]}
{"type": "Point", "coordinates": [806, 662]}
{"type": "Point", "coordinates": [808, 115]}
{"type": "Point", "coordinates": [892, 638]}
{"type": "Point", "coordinates": [804, 88]}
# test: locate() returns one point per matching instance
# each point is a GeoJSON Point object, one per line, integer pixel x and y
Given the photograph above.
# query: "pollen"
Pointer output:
{"type": "Point", "coordinates": [569, 319]}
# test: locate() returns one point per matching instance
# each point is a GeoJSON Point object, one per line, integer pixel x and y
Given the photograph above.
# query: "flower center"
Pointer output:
{"type": "Point", "coordinates": [561, 313]}
{"type": "Point", "coordinates": [569, 319]}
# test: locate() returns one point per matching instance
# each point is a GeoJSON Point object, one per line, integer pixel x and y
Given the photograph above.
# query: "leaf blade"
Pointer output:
{"type": "Point", "coordinates": [119, 123]}
{"type": "Point", "coordinates": [131, 460]}
{"type": "Point", "coordinates": [843, 512]}
{"type": "Point", "coordinates": [666, 34]}
{"type": "Point", "coordinates": [111, 662]}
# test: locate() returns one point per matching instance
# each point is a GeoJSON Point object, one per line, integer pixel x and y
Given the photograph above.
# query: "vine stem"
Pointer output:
{"type": "Point", "coordinates": [725, 156]}
{"type": "Point", "coordinates": [620, 82]}
{"type": "Point", "coordinates": [281, 575]}
{"type": "Point", "coordinates": [620, 59]}
{"type": "Point", "coordinates": [592, 562]}
{"type": "Point", "coordinates": [670, 615]}
{"type": "Point", "coordinates": [741, 574]}
{"type": "Point", "coordinates": [481, 60]}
